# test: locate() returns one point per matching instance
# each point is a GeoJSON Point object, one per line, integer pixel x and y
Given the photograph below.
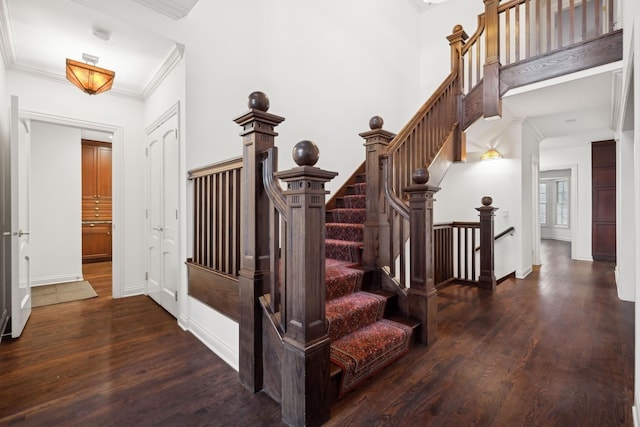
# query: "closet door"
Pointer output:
{"type": "Point", "coordinates": [603, 180]}
{"type": "Point", "coordinates": [162, 216]}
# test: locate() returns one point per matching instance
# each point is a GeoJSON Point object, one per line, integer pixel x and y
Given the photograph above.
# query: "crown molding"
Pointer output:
{"type": "Point", "coordinates": [168, 63]}
{"type": "Point", "coordinates": [6, 36]}
{"type": "Point", "coordinates": [172, 9]}
{"type": "Point", "coordinates": [61, 78]}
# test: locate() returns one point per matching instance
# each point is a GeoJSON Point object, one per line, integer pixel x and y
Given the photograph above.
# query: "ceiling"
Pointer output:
{"type": "Point", "coordinates": [578, 104]}
{"type": "Point", "coordinates": [38, 35]}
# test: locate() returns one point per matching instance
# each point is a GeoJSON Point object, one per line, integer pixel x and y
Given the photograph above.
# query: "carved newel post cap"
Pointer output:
{"type": "Point", "coordinates": [258, 101]}
{"type": "Point", "coordinates": [306, 153]}
{"type": "Point", "coordinates": [486, 201]}
{"type": "Point", "coordinates": [376, 122]}
{"type": "Point", "coordinates": [457, 28]}
{"type": "Point", "coordinates": [420, 176]}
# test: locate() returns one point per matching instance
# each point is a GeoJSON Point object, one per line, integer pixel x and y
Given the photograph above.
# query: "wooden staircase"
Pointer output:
{"type": "Point", "coordinates": [299, 285]}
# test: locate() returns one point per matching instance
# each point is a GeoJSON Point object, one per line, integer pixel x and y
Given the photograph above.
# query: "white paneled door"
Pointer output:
{"type": "Point", "coordinates": [162, 215]}
{"type": "Point", "coordinates": [20, 222]}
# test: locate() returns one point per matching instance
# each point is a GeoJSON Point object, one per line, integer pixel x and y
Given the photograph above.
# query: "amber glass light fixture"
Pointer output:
{"type": "Point", "coordinates": [491, 154]}
{"type": "Point", "coordinates": [89, 78]}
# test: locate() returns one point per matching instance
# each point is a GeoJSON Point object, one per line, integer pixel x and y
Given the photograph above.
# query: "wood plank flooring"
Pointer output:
{"type": "Point", "coordinates": [553, 349]}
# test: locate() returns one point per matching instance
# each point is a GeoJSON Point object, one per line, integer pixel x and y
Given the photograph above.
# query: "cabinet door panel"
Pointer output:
{"type": "Point", "coordinates": [103, 176]}
{"type": "Point", "coordinates": [89, 170]}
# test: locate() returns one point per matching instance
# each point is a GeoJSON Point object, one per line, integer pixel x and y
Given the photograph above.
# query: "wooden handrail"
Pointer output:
{"type": "Point", "coordinates": [500, 235]}
{"type": "Point", "coordinates": [412, 124]}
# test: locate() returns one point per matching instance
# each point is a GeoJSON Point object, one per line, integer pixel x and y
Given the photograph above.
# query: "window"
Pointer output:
{"type": "Point", "coordinates": [543, 203]}
{"type": "Point", "coordinates": [562, 203]}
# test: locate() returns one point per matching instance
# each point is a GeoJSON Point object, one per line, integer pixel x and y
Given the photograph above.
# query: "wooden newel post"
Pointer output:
{"type": "Point", "coordinates": [376, 142]}
{"type": "Point", "coordinates": [423, 302]}
{"type": "Point", "coordinates": [491, 76]}
{"type": "Point", "coordinates": [456, 41]}
{"type": "Point", "coordinates": [258, 136]}
{"type": "Point", "coordinates": [306, 352]}
{"type": "Point", "coordinates": [487, 279]}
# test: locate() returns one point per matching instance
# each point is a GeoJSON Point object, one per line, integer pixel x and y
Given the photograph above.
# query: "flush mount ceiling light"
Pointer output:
{"type": "Point", "coordinates": [491, 154]}
{"type": "Point", "coordinates": [434, 1]}
{"type": "Point", "coordinates": [87, 77]}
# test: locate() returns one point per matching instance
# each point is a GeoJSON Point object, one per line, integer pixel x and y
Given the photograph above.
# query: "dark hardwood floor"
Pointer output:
{"type": "Point", "coordinates": [553, 349]}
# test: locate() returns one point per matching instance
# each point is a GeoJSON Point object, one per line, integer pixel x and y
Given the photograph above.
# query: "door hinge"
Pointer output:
{"type": "Point", "coordinates": [146, 151]}
{"type": "Point", "coordinates": [146, 213]}
{"type": "Point", "coordinates": [146, 275]}
{"type": "Point", "coordinates": [176, 213]}
{"type": "Point", "coordinates": [176, 295]}
{"type": "Point", "coordinates": [176, 131]}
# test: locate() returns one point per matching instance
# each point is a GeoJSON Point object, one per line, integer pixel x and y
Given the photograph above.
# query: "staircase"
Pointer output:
{"type": "Point", "coordinates": [362, 340]}
{"type": "Point", "coordinates": [314, 314]}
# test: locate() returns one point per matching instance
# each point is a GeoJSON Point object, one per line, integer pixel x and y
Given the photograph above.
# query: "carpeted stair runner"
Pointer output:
{"type": "Point", "coordinates": [362, 341]}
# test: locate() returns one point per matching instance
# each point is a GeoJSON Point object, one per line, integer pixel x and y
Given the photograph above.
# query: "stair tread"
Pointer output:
{"type": "Point", "coordinates": [351, 312]}
{"type": "Point", "coordinates": [368, 350]}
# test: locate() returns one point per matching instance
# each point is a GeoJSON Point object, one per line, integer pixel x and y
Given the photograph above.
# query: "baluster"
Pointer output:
{"type": "Point", "coordinates": [258, 136]}
{"type": "Point", "coordinates": [559, 24]}
{"type": "Point", "coordinates": [572, 30]}
{"type": "Point", "coordinates": [598, 13]}
{"type": "Point", "coordinates": [487, 279]}
{"type": "Point", "coordinates": [517, 32]}
{"type": "Point", "coordinates": [507, 25]}
{"type": "Point", "coordinates": [527, 29]}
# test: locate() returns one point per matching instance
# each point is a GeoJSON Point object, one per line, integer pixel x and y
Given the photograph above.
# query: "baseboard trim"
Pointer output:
{"type": "Point", "coordinates": [184, 322]}
{"type": "Point", "coordinates": [634, 414]}
{"type": "Point", "coordinates": [4, 320]}
{"type": "Point", "coordinates": [218, 347]}
{"type": "Point", "coordinates": [52, 280]}
{"type": "Point", "coordinates": [523, 274]}
{"type": "Point", "coordinates": [131, 292]}
{"type": "Point", "coordinates": [511, 275]}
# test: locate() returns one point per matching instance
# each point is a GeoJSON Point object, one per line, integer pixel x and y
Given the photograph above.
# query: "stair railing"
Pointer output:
{"type": "Point", "coordinates": [283, 330]}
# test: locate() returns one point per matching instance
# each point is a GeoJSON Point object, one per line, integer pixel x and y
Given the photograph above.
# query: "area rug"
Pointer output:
{"type": "Point", "coordinates": [61, 292]}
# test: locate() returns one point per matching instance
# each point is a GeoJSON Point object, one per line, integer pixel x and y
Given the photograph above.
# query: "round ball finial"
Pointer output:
{"type": "Point", "coordinates": [457, 28]}
{"type": "Point", "coordinates": [420, 176]}
{"type": "Point", "coordinates": [306, 153]}
{"type": "Point", "coordinates": [376, 122]}
{"type": "Point", "coordinates": [486, 201]}
{"type": "Point", "coordinates": [259, 101]}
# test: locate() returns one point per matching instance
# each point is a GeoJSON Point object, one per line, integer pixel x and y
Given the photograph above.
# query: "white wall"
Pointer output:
{"type": "Point", "coordinates": [327, 67]}
{"type": "Point", "coordinates": [62, 102]}
{"type": "Point", "coordinates": [574, 152]}
{"type": "Point", "coordinates": [56, 194]}
{"type": "Point", "coordinates": [510, 182]}
{"type": "Point", "coordinates": [625, 221]}
{"type": "Point", "coordinates": [436, 23]}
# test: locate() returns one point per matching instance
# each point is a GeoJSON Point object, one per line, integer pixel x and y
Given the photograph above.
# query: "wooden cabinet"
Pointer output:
{"type": "Point", "coordinates": [96, 242]}
{"type": "Point", "coordinates": [96, 201]}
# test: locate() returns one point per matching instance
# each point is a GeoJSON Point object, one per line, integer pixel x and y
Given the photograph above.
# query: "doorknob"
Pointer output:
{"type": "Point", "coordinates": [21, 233]}
{"type": "Point", "coordinates": [158, 228]}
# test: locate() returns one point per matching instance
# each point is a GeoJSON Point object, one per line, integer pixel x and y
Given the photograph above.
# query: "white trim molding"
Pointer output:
{"type": "Point", "coordinates": [174, 9]}
{"type": "Point", "coordinates": [168, 63]}
{"type": "Point", "coordinates": [118, 189]}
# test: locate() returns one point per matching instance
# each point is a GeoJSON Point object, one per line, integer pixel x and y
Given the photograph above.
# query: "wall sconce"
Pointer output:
{"type": "Point", "coordinates": [87, 77]}
{"type": "Point", "coordinates": [491, 154]}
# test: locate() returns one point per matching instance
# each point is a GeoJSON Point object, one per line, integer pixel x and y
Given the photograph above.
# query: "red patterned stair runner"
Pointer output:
{"type": "Point", "coordinates": [362, 341]}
